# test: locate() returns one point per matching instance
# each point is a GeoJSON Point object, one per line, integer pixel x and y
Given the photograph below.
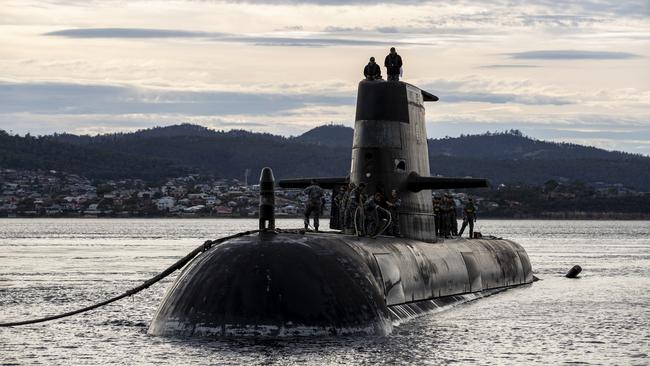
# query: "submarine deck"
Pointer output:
{"type": "Point", "coordinates": [411, 270]}
{"type": "Point", "coordinates": [327, 280]}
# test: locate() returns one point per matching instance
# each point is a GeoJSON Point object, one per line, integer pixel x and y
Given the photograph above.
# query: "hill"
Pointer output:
{"type": "Point", "coordinates": [514, 145]}
{"type": "Point", "coordinates": [328, 135]}
{"type": "Point", "coordinates": [33, 153]}
{"type": "Point", "coordinates": [221, 153]}
{"type": "Point", "coordinates": [511, 157]}
{"type": "Point", "coordinates": [162, 152]}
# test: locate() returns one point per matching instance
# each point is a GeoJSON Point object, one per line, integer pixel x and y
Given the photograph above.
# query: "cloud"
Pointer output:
{"type": "Point", "coordinates": [327, 2]}
{"type": "Point", "coordinates": [508, 66]}
{"type": "Point", "coordinates": [572, 55]}
{"type": "Point", "coordinates": [501, 98]}
{"type": "Point", "coordinates": [565, 21]}
{"type": "Point", "coordinates": [629, 7]}
{"type": "Point", "coordinates": [130, 33]}
{"type": "Point", "coordinates": [36, 124]}
{"type": "Point", "coordinates": [292, 28]}
{"type": "Point", "coordinates": [70, 99]}
{"type": "Point", "coordinates": [486, 91]}
{"type": "Point", "coordinates": [58, 98]}
{"type": "Point", "coordinates": [333, 29]}
{"type": "Point", "coordinates": [311, 40]}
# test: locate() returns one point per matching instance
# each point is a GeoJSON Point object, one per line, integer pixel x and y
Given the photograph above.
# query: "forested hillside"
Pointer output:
{"type": "Point", "coordinates": [324, 151]}
{"type": "Point", "coordinates": [224, 154]}
{"type": "Point", "coordinates": [33, 153]}
{"type": "Point", "coordinates": [328, 135]}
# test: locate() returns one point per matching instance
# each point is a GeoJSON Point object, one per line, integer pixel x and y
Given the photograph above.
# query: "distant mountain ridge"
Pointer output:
{"type": "Point", "coordinates": [513, 145]}
{"type": "Point", "coordinates": [49, 154]}
{"type": "Point", "coordinates": [161, 152]}
{"type": "Point", "coordinates": [328, 135]}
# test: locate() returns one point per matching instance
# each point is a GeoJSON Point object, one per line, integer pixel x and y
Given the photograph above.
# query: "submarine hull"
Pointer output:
{"type": "Point", "coordinates": [292, 284]}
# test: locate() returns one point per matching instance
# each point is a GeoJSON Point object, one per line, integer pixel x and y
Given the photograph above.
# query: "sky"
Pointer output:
{"type": "Point", "coordinates": [574, 71]}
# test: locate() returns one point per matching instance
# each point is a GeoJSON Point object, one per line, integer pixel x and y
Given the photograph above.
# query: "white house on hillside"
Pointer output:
{"type": "Point", "coordinates": [165, 203]}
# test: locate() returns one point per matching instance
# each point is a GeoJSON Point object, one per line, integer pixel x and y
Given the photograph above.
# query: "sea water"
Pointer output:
{"type": "Point", "coordinates": [49, 266]}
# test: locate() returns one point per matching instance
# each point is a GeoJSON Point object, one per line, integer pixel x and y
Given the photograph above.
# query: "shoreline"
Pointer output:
{"type": "Point", "coordinates": [495, 218]}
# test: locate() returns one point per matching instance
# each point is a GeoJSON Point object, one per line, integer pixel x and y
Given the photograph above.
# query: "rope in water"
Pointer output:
{"type": "Point", "coordinates": [171, 269]}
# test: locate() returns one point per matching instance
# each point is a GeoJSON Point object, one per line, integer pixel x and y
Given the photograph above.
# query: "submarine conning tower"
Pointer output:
{"type": "Point", "coordinates": [389, 145]}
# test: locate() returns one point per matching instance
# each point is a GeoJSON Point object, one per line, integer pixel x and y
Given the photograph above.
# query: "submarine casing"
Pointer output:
{"type": "Point", "coordinates": [292, 284]}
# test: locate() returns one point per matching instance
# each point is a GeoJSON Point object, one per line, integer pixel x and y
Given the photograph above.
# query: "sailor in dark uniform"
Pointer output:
{"type": "Point", "coordinates": [444, 217]}
{"type": "Point", "coordinates": [394, 203]}
{"type": "Point", "coordinates": [393, 63]}
{"type": "Point", "coordinates": [314, 202]}
{"type": "Point", "coordinates": [338, 207]}
{"type": "Point", "coordinates": [469, 217]}
{"type": "Point", "coordinates": [453, 217]}
{"type": "Point", "coordinates": [357, 200]}
{"type": "Point", "coordinates": [372, 71]}
{"type": "Point", "coordinates": [371, 224]}
{"type": "Point", "coordinates": [437, 213]}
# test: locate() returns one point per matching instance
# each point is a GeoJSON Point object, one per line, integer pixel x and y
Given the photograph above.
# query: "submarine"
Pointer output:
{"type": "Point", "coordinates": [301, 283]}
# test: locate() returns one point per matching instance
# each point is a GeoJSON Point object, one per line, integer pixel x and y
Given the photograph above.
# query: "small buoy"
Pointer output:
{"type": "Point", "coordinates": [574, 272]}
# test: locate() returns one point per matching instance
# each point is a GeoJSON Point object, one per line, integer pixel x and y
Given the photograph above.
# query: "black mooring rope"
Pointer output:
{"type": "Point", "coordinates": [171, 269]}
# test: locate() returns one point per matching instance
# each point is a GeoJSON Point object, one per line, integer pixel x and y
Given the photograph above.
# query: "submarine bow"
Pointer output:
{"type": "Point", "coordinates": [275, 285]}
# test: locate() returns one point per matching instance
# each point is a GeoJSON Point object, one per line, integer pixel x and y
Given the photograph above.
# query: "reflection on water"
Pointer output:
{"type": "Point", "coordinates": [51, 266]}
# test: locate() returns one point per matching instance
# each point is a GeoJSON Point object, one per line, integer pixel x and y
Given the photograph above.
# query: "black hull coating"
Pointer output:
{"type": "Point", "coordinates": [329, 284]}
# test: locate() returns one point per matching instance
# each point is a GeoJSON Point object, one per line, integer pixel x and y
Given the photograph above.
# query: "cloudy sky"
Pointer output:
{"type": "Point", "coordinates": [570, 70]}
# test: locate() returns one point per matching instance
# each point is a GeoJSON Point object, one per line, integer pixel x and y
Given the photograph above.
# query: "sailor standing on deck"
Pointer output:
{"type": "Point", "coordinates": [394, 203]}
{"type": "Point", "coordinates": [393, 63]}
{"type": "Point", "coordinates": [469, 217]}
{"type": "Point", "coordinates": [348, 214]}
{"type": "Point", "coordinates": [372, 219]}
{"type": "Point", "coordinates": [446, 216]}
{"type": "Point", "coordinates": [355, 215]}
{"type": "Point", "coordinates": [336, 212]}
{"type": "Point", "coordinates": [313, 205]}
{"type": "Point", "coordinates": [437, 213]}
{"type": "Point", "coordinates": [453, 219]}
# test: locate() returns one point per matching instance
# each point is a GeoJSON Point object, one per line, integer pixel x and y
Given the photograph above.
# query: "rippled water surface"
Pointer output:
{"type": "Point", "coordinates": [52, 266]}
